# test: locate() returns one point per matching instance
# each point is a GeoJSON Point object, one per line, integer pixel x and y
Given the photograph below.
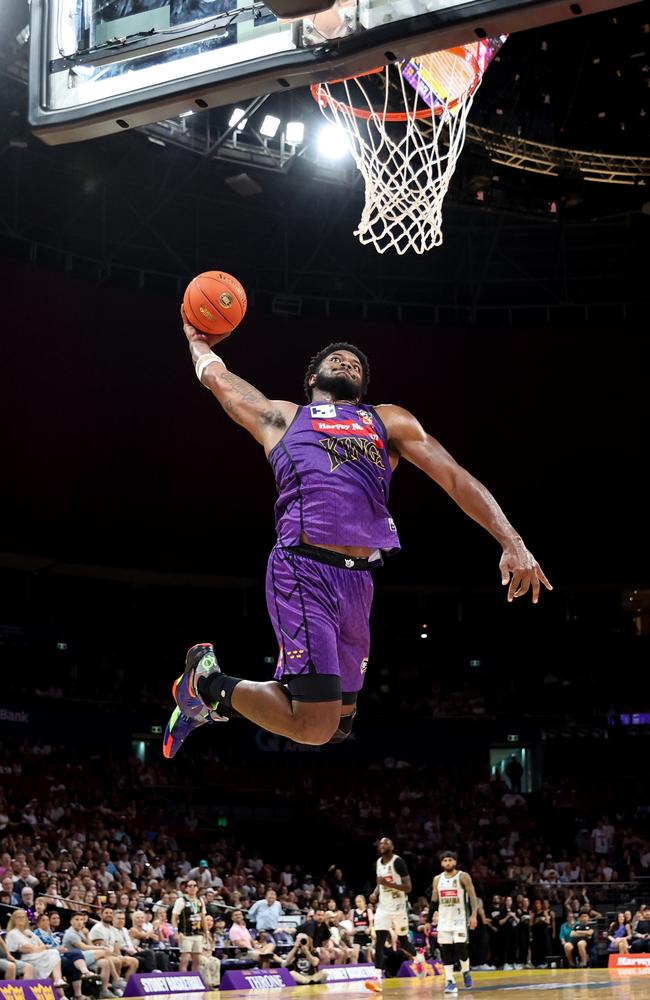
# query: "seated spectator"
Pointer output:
{"type": "Point", "coordinates": [145, 936]}
{"type": "Point", "coordinates": [12, 967]}
{"type": "Point", "coordinates": [580, 940]}
{"type": "Point", "coordinates": [619, 935]}
{"type": "Point", "coordinates": [641, 932]}
{"type": "Point", "coordinates": [240, 936]}
{"type": "Point", "coordinates": [347, 952]}
{"type": "Point", "coordinates": [45, 962]}
{"type": "Point", "coordinates": [566, 930]}
{"type": "Point", "coordinates": [73, 963]}
{"type": "Point", "coordinates": [209, 964]}
{"type": "Point", "coordinates": [144, 957]}
{"type": "Point", "coordinates": [76, 937]}
{"type": "Point", "coordinates": [103, 934]}
{"type": "Point", "coordinates": [303, 963]}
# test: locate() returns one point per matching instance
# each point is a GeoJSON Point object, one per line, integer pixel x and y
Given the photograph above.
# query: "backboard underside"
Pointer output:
{"type": "Point", "coordinates": [102, 66]}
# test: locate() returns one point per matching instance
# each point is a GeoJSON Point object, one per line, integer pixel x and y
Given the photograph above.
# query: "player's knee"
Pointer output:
{"type": "Point", "coordinates": [313, 730]}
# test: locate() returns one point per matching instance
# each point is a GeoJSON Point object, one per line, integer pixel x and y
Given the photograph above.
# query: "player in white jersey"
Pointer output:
{"type": "Point", "coordinates": [454, 898]}
{"type": "Point", "coordinates": [390, 897]}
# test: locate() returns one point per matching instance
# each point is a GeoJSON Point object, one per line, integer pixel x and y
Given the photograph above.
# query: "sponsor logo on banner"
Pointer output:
{"type": "Point", "coordinates": [256, 979]}
{"type": "Point", "coordinates": [349, 973]}
{"type": "Point", "coordinates": [347, 428]}
{"type": "Point", "coordinates": [153, 983]}
{"type": "Point", "coordinates": [631, 963]}
{"type": "Point", "coordinates": [323, 410]}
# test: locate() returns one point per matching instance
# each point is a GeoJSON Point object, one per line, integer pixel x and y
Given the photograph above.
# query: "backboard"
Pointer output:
{"type": "Point", "coordinates": [102, 66]}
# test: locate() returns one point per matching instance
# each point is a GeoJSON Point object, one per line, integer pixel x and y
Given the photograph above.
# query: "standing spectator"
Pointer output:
{"type": "Point", "coordinates": [265, 913]}
{"type": "Point", "coordinates": [524, 917]}
{"type": "Point", "coordinates": [508, 922]}
{"type": "Point", "coordinates": [188, 917]}
{"type": "Point", "coordinates": [514, 773]}
{"type": "Point", "coordinates": [45, 962]}
{"type": "Point", "coordinates": [541, 942]}
{"type": "Point", "coordinates": [201, 874]}
{"type": "Point", "coordinates": [337, 884]}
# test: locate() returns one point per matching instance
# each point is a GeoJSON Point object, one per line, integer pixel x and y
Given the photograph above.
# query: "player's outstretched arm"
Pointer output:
{"type": "Point", "coordinates": [264, 418]}
{"type": "Point", "coordinates": [519, 568]}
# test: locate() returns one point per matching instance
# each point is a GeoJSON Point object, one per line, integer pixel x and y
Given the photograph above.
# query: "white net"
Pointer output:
{"type": "Point", "coordinates": [406, 158]}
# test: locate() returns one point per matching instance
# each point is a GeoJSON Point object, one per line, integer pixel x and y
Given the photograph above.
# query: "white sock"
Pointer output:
{"type": "Point", "coordinates": [464, 965]}
{"type": "Point", "coordinates": [449, 972]}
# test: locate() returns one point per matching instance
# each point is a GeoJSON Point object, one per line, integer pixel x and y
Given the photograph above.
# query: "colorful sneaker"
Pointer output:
{"type": "Point", "coordinates": [467, 980]}
{"type": "Point", "coordinates": [191, 711]}
{"type": "Point", "coordinates": [374, 985]}
{"type": "Point", "coordinates": [450, 989]}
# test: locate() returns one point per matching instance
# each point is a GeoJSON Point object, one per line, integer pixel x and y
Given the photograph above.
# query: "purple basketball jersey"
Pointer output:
{"type": "Point", "coordinates": [333, 474]}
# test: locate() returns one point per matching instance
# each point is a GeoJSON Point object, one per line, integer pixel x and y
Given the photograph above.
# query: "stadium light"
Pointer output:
{"type": "Point", "coordinates": [269, 126]}
{"type": "Point", "coordinates": [295, 133]}
{"type": "Point", "coordinates": [237, 118]}
{"type": "Point", "coordinates": [332, 142]}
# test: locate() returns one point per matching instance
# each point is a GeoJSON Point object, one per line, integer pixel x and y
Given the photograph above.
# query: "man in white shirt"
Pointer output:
{"type": "Point", "coordinates": [105, 934]}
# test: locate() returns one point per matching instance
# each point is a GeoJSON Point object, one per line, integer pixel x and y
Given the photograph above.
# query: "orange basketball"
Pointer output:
{"type": "Point", "coordinates": [215, 302]}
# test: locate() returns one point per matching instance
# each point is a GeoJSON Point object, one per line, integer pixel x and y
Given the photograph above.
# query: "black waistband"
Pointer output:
{"type": "Point", "coordinates": [335, 558]}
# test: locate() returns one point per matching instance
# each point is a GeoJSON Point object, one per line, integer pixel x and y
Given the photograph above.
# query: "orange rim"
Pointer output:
{"type": "Point", "coordinates": [325, 100]}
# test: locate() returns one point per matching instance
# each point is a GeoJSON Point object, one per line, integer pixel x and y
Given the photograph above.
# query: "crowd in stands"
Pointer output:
{"type": "Point", "coordinates": [96, 882]}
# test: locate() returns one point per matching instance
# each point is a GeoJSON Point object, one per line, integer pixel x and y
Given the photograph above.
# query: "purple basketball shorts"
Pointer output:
{"type": "Point", "coordinates": [320, 614]}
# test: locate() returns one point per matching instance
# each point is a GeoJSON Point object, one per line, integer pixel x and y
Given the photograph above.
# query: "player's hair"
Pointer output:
{"type": "Point", "coordinates": [448, 854]}
{"type": "Point", "coordinates": [317, 360]}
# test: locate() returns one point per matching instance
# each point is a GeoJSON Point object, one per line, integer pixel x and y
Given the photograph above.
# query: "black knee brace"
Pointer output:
{"type": "Point", "coordinates": [447, 952]}
{"type": "Point", "coordinates": [345, 728]}
{"type": "Point", "coordinates": [462, 951]}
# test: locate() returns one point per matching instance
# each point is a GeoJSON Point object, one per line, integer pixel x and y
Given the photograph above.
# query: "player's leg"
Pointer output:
{"type": "Point", "coordinates": [303, 603]}
{"type": "Point", "coordinates": [353, 644]}
{"type": "Point", "coordinates": [462, 956]}
{"type": "Point", "coordinates": [446, 944]}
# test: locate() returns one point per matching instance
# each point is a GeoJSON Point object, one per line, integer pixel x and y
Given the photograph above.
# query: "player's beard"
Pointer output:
{"type": "Point", "coordinates": [338, 386]}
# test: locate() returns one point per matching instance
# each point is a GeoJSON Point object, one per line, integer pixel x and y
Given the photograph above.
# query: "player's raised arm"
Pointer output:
{"type": "Point", "coordinates": [264, 418]}
{"type": "Point", "coordinates": [408, 439]}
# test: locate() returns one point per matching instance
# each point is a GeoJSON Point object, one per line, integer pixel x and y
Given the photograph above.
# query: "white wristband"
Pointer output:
{"type": "Point", "coordinates": [204, 361]}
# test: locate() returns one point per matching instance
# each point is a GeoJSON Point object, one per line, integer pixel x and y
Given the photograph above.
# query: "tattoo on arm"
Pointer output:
{"type": "Point", "coordinates": [248, 395]}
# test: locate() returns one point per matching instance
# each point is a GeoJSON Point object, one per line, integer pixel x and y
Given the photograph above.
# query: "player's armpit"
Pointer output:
{"type": "Point", "coordinates": [265, 419]}
{"type": "Point", "coordinates": [408, 438]}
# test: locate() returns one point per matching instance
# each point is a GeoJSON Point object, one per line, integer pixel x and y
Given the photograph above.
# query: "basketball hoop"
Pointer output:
{"type": "Point", "coordinates": [406, 157]}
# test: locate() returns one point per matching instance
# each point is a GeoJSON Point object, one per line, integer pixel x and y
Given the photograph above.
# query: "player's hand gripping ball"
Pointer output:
{"type": "Point", "coordinates": [215, 302]}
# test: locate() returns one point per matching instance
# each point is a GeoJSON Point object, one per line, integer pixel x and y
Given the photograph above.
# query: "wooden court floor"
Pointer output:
{"type": "Point", "coordinates": [565, 984]}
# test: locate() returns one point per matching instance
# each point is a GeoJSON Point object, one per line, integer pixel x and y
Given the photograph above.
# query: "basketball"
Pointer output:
{"type": "Point", "coordinates": [215, 302]}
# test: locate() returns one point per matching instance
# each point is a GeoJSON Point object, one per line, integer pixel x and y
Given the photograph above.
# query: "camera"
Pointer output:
{"type": "Point", "coordinates": [302, 939]}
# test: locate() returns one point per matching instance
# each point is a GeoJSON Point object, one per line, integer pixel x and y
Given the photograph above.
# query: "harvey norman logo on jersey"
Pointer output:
{"type": "Point", "coordinates": [346, 428]}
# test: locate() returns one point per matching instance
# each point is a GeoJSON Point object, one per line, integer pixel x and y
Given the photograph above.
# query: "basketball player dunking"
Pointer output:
{"type": "Point", "coordinates": [453, 896]}
{"type": "Point", "coordinates": [333, 460]}
{"type": "Point", "coordinates": [391, 915]}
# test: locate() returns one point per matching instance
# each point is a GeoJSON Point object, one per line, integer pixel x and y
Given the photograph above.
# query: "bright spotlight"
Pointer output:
{"type": "Point", "coordinates": [269, 126]}
{"type": "Point", "coordinates": [237, 118]}
{"type": "Point", "coordinates": [332, 142]}
{"type": "Point", "coordinates": [295, 133]}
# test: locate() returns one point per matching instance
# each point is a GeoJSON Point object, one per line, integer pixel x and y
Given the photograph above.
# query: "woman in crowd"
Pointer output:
{"type": "Point", "coordinates": [619, 935]}
{"type": "Point", "coordinates": [73, 963]}
{"type": "Point", "coordinates": [362, 918]}
{"type": "Point", "coordinates": [209, 964]}
{"type": "Point", "coordinates": [45, 962]}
